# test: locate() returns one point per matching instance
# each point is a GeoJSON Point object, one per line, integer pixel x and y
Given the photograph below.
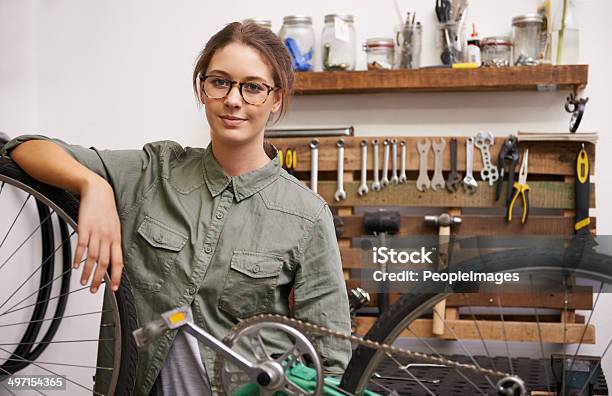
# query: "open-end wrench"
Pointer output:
{"type": "Point", "coordinates": [363, 186]}
{"type": "Point", "coordinates": [484, 142]}
{"type": "Point", "coordinates": [394, 178]}
{"type": "Point", "coordinates": [402, 177]}
{"type": "Point", "coordinates": [469, 183]}
{"type": "Point", "coordinates": [454, 179]}
{"type": "Point", "coordinates": [384, 182]}
{"type": "Point", "coordinates": [376, 183]}
{"type": "Point", "coordinates": [437, 181]}
{"type": "Point", "coordinates": [340, 193]}
{"type": "Point", "coordinates": [314, 164]}
{"type": "Point", "coordinates": [423, 183]}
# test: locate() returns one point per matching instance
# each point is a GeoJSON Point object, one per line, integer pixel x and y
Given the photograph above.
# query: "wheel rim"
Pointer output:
{"type": "Point", "coordinates": [16, 296]}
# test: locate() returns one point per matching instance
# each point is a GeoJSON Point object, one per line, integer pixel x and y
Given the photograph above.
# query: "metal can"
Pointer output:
{"type": "Point", "coordinates": [263, 22]}
{"type": "Point", "coordinates": [338, 41]}
{"type": "Point", "coordinates": [526, 35]}
{"type": "Point", "coordinates": [380, 53]}
{"type": "Point", "coordinates": [496, 51]}
{"type": "Point", "coordinates": [299, 38]}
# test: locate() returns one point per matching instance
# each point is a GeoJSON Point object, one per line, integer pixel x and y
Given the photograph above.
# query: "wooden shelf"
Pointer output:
{"type": "Point", "coordinates": [544, 77]}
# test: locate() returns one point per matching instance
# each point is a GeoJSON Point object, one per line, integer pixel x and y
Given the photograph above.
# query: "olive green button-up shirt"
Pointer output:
{"type": "Point", "coordinates": [229, 247]}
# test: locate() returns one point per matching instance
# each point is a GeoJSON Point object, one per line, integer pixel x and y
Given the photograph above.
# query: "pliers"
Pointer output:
{"type": "Point", "coordinates": [509, 152]}
{"type": "Point", "coordinates": [521, 188]}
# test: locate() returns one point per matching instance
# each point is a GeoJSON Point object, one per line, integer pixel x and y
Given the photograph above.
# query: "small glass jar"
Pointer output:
{"type": "Point", "coordinates": [299, 38]}
{"type": "Point", "coordinates": [408, 41]}
{"type": "Point", "coordinates": [526, 35]}
{"type": "Point", "coordinates": [338, 42]}
{"type": "Point", "coordinates": [263, 22]}
{"type": "Point", "coordinates": [451, 42]}
{"type": "Point", "coordinates": [496, 51]}
{"type": "Point", "coordinates": [379, 53]}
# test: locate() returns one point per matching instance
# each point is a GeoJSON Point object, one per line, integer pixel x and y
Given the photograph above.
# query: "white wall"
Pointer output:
{"type": "Point", "coordinates": [117, 74]}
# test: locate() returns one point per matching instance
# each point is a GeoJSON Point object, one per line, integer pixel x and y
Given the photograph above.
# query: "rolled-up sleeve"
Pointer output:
{"type": "Point", "coordinates": [131, 173]}
{"type": "Point", "coordinates": [320, 292]}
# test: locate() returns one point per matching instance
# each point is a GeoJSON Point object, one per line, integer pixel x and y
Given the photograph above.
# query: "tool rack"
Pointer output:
{"type": "Point", "coordinates": [551, 178]}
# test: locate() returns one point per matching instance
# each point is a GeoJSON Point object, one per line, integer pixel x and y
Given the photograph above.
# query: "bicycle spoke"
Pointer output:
{"type": "Point", "coordinates": [484, 344]}
{"type": "Point", "coordinates": [462, 344]}
{"type": "Point", "coordinates": [60, 364]}
{"type": "Point", "coordinates": [10, 375]}
{"type": "Point", "coordinates": [15, 220]}
{"type": "Point", "coordinates": [586, 326]}
{"type": "Point", "coordinates": [7, 389]}
{"type": "Point", "coordinates": [49, 299]}
{"type": "Point", "coordinates": [56, 342]}
{"type": "Point", "coordinates": [27, 239]}
{"type": "Point", "coordinates": [563, 370]}
{"type": "Point", "coordinates": [54, 373]}
{"type": "Point", "coordinates": [544, 360]}
{"type": "Point", "coordinates": [412, 376]}
{"type": "Point", "coordinates": [588, 380]}
{"type": "Point", "coordinates": [34, 273]}
{"type": "Point", "coordinates": [503, 322]}
{"type": "Point", "coordinates": [57, 317]}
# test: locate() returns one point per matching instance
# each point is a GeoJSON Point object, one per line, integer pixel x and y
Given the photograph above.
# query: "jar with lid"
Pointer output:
{"type": "Point", "coordinates": [379, 53]}
{"type": "Point", "coordinates": [526, 35]}
{"type": "Point", "coordinates": [496, 51]}
{"type": "Point", "coordinates": [408, 40]}
{"type": "Point", "coordinates": [263, 22]}
{"type": "Point", "coordinates": [338, 42]}
{"type": "Point", "coordinates": [298, 35]}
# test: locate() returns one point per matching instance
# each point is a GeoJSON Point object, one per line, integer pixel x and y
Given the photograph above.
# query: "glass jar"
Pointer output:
{"type": "Point", "coordinates": [451, 42]}
{"type": "Point", "coordinates": [263, 22]}
{"type": "Point", "coordinates": [496, 51]}
{"type": "Point", "coordinates": [338, 42]}
{"type": "Point", "coordinates": [379, 53]}
{"type": "Point", "coordinates": [526, 35]}
{"type": "Point", "coordinates": [408, 40]}
{"type": "Point", "coordinates": [298, 35]}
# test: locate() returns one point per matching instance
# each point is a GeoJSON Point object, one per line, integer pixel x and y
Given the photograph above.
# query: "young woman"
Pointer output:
{"type": "Point", "coordinates": [223, 230]}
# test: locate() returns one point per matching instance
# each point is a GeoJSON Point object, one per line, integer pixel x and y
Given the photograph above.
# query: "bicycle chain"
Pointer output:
{"type": "Point", "coordinates": [310, 328]}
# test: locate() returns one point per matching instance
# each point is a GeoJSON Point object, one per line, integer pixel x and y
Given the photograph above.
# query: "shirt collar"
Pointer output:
{"type": "Point", "coordinates": [243, 185]}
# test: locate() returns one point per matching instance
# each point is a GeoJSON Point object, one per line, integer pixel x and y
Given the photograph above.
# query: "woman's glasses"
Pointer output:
{"type": "Point", "coordinates": [253, 92]}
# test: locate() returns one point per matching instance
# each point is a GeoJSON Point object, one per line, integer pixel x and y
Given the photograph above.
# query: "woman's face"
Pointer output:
{"type": "Point", "coordinates": [231, 119]}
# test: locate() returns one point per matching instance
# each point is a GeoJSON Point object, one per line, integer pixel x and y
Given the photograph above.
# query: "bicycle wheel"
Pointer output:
{"type": "Point", "coordinates": [50, 325]}
{"type": "Point", "coordinates": [528, 360]}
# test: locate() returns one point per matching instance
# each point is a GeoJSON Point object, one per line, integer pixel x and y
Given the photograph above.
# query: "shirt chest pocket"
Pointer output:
{"type": "Point", "coordinates": [153, 254]}
{"type": "Point", "coordinates": [250, 284]}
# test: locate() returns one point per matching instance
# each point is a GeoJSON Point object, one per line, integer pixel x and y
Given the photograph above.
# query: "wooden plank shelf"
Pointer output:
{"type": "Point", "coordinates": [442, 79]}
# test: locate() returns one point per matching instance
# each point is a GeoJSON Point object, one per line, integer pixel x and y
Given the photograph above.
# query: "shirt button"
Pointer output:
{"type": "Point", "coordinates": [219, 215]}
{"type": "Point", "coordinates": [256, 268]}
{"type": "Point", "coordinates": [192, 290]}
{"type": "Point", "coordinates": [208, 249]}
{"type": "Point", "coordinates": [158, 238]}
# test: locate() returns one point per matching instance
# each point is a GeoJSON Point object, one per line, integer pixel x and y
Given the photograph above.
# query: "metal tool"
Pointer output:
{"type": "Point", "coordinates": [484, 142]}
{"type": "Point", "coordinates": [314, 164]}
{"type": "Point", "coordinates": [437, 181]}
{"type": "Point", "coordinates": [425, 381]}
{"type": "Point", "coordinates": [423, 183]}
{"type": "Point", "coordinates": [576, 106]}
{"type": "Point", "coordinates": [363, 186]}
{"type": "Point", "coordinates": [376, 183]}
{"type": "Point", "coordinates": [469, 183]}
{"type": "Point", "coordinates": [394, 178]}
{"type": "Point", "coordinates": [521, 188]}
{"type": "Point", "coordinates": [384, 182]}
{"type": "Point", "coordinates": [508, 153]}
{"type": "Point", "coordinates": [402, 177]}
{"type": "Point", "coordinates": [582, 193]}
{"type": "Point", "coordinates": [340, 193]}
{"type": "Point", "coordinates": [454, 179]}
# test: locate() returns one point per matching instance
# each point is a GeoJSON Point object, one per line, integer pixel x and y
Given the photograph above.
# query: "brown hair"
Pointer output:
{"type": "Point", "coordinates": [263, 40]}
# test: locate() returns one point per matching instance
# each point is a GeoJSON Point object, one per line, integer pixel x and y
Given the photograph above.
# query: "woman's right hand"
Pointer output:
{"type": "Point", "coordinates": [99, 231]}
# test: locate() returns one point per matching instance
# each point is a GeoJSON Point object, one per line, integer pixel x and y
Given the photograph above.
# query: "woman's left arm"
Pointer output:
{"type": "Point", "coordinates": [320, 291]}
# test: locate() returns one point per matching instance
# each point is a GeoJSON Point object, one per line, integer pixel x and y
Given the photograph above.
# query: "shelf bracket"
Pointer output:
{"type": "Point", "coordinates": [575, 105]}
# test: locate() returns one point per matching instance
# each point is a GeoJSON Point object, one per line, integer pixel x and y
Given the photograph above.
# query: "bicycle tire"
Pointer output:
{"type": "Point", "coordinates": [66, 205]}
{"type": "Point", "coordinates": [411, 306]}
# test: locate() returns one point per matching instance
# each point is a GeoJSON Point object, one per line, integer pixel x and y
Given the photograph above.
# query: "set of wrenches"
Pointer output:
{"type": "Point", "coordinates": [397, 175]}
